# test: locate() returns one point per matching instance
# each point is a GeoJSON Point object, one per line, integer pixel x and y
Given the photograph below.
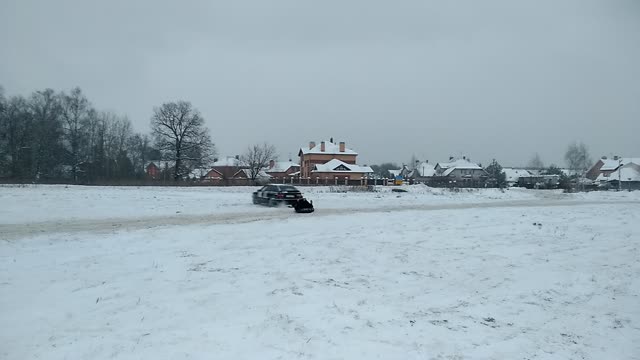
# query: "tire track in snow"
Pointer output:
{"type": "Point", "coordinates": [15, 231]}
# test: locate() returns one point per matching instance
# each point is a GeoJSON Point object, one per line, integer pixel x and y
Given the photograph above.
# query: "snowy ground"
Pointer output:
{"type": "Point", "coordinates": [194, 273]}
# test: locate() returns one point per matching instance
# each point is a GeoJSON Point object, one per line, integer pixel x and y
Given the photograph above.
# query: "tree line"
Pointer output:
{"type": "Point", "coordinates": [52, 136]}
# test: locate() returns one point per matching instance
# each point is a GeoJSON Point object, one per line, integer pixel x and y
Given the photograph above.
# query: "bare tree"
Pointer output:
{"type": "Point", "coordinates": [2, 101]}
{"type": "Point", "coordinates": [76, 114]}
{"type": "Point", "coordinates": [257, 158]}
{"type": "Point", "coordinates": [48, 135]}
{"type": "Point", "coordinates": [15, 138]}
{"type": "Point", "coordinates": [536, 163]}
{"type": "Point", "coordinates": [139, 147]}
{"type": "Point", "coordinates": [180, 134]}
{"type": "Point", "coordinates": [46, 148]}
{"type": "Point", "coordinates": [4, 147]}
{"type": "Point", "coordinates": [577, 157]}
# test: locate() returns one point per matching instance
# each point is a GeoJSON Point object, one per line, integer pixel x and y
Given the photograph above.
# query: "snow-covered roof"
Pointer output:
{"type": "Point", "coordinates": [459, 164]}
{"type": "Point", "coordinates": [625, 173]}
{"type": "Point", "coordinates": [261, 174]}
{"type": "Point", "coordinates": [512, 175]}
{"type": "Point", "coordinates": [336, 165]}
{"type": "Point", "coordinates": [395, 172]}
{"type": "Point", "coordinates": [426, 169]}
{"type": "Point", "coordinates": [329, 148]}
{"type": "Point", "coordinates": [611, 164]}
{"type": "Point", "coordinates": [448, 171]}
{"type": "Point", "coordinates": [198, 173]}
{"type": "Point", "coordinates": [228, 161]}
{"type": "Point", "coordinates": [569, 172]}
{"type": "Point", "coordinates": [282, 166]}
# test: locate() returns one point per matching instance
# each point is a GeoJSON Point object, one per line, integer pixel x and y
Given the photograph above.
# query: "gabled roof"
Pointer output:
{"type": "Point", "coordinates": [625, 173]}
{"type": "Point", "coordinates": [161, 163]}
{"type": "Point", "coordinates": [611, 164]}
{"type": "Point", "coordinates": [405, 172]}
{"type": "Point", "coordinates": [335, 165]}
{"type": "Point", "coordinates": [198, 173]}
{"type": "Point", "coordinates": [247, 173]}
{"type": "Point", "coordinates": [459, 164]}
{"type": "Point", "coordinates": [282, 166]}
{"type": "Point", "coordinates": [426, 169]}
{"type": "Point", "coordinates": [512, 175]}
{"type": "Point", "coordinates": [329, 148]}
{"type": "Point", "coordinates": [452, 169]}
{"type": "Point", "coordinates": [210, 175]}
{"type": "Point", "coordinates": [463, 164]}
{"type": "Point", "coordinates": [228, 161]}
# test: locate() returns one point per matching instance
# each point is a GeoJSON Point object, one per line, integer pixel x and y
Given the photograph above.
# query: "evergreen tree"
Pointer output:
{"type": "Point", "coordinates": [496, 174]}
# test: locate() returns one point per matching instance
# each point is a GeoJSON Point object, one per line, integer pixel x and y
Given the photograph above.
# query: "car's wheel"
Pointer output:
{"type": "Point", "coordinates": [273, 203]}
{"type": "Point", "coordinates": [255, 201]}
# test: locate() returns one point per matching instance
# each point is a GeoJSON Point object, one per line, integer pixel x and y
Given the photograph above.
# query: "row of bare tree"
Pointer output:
{"type": "Point", "coordinates": [577, 159]}
{"type": "Point", "coordinates": [58, 136]}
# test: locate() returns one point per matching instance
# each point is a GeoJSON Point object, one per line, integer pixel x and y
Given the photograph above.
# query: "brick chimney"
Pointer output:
{"type": "Point", "coordinates": [342, 146]}
{"type": "Point", "coordinates": [272, 163]}
{"type": "Point", "coordinates": [322, 148]}
{"type": "Point", "coordinates": [312, 144]}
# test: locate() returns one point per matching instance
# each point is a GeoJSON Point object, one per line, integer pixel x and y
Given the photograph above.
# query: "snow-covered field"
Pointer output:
{"type": "Point", "coordinates": [200, 273]}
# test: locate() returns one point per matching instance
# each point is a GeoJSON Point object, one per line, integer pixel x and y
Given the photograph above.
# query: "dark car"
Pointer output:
{"type": "Point", "coordinates": [274, 195]}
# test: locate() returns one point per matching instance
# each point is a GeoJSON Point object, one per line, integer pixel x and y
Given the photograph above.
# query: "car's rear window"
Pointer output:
{"type": "Point", "coordinates": [288, 188]}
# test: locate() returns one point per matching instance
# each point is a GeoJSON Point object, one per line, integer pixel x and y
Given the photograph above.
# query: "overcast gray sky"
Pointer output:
{"type": "Point", "coordinates": [486, 79]}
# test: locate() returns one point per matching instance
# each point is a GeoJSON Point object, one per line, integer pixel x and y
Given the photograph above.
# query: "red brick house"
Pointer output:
{"type": "Point", "coordinates": [155, 168]}
{"type": "Point", "coordinates": [331, 161]}
{"type": "Point", "coordinates": [230, 171]}
{"type": "Point", "coordinates": [224, 169]}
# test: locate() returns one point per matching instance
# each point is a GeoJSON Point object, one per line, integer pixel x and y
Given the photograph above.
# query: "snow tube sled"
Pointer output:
{"type": "Point", "coordinates": [303, 206]}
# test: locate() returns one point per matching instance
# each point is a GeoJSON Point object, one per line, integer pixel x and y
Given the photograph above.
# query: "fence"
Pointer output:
{"type": "Point", "coordinates": [296, 181]}
{"type": "Point", "coordinates": [208, 182]}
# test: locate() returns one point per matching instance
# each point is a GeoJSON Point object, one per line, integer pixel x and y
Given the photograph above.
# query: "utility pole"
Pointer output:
{"type": "Point", "coordinates": [620, 173]}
